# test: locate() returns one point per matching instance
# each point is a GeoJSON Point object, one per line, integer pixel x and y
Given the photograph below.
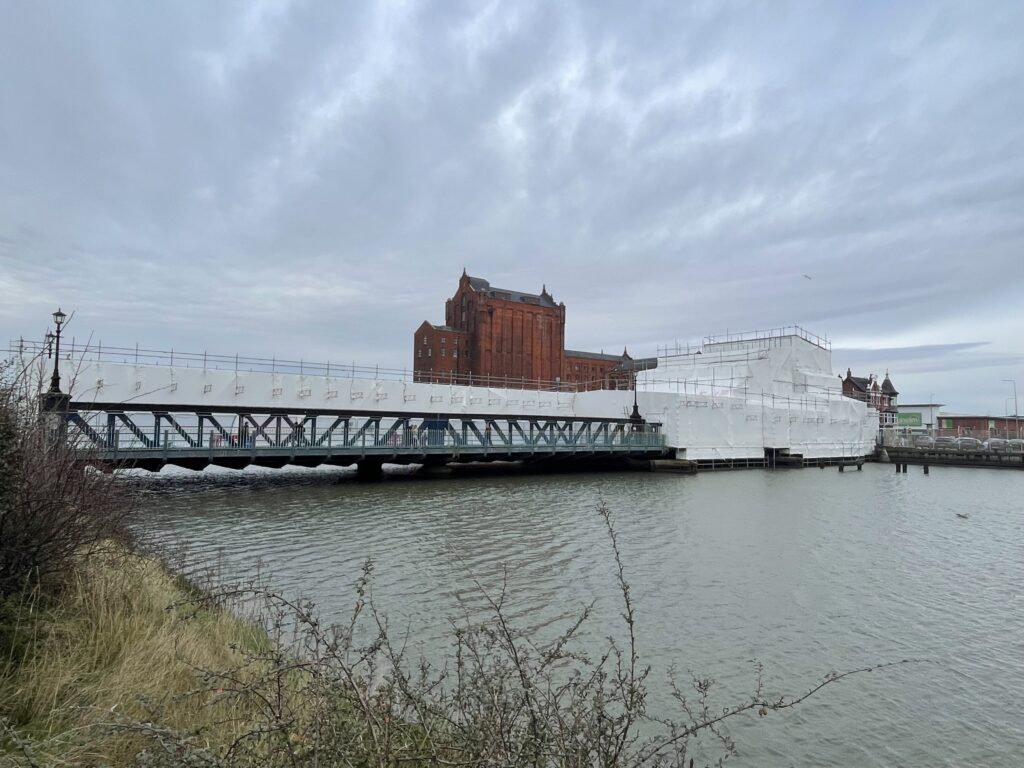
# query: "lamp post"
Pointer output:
{"type": "Point", "coordinates": [58, 319]}
{"type": "Point", "coordinates": [637, 421]}
{"type": "Point", "coordinates": [1016, 411]}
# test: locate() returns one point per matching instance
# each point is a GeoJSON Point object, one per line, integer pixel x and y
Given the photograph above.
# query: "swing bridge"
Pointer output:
{"type": "Point", "coordinates": [108, 434]}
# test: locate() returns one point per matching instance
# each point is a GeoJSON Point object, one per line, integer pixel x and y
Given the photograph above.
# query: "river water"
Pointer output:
{"type": "Point", "coordinates": [807, 571]}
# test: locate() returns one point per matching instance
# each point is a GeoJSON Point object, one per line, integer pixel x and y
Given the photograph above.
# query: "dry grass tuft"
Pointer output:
{"type": "Point", "coordinates": [120, 644]}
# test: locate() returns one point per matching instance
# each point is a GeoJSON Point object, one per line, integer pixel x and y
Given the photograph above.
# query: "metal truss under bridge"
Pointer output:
{"type": "Point", "coordinates": [150, 438]}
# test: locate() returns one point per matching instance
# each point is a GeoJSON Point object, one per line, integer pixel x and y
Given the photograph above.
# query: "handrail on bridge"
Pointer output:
{"type": "Point", "coordinates": [108, 434]}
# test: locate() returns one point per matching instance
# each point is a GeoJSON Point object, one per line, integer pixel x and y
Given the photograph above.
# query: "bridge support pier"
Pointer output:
{"type": "Point", "coordinates": [369, 470]}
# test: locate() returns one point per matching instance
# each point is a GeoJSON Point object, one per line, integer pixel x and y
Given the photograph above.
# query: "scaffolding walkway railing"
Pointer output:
{"type": "Point", "coordinates": [77, 354]}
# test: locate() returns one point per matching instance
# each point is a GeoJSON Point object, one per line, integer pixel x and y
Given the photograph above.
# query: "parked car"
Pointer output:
{"type": "Point", "coordinates": [945, 442]}
{"type": "Point", "coordinates": [924, 441]}
{"type": "Point", "coordinates": [1015, 445]}
{"type": "Point", "coordinates": [996, 445]}
{"type": "Point", "coordinates": [968, 444]}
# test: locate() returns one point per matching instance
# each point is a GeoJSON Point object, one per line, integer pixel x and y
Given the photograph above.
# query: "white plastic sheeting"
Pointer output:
{"type": "Point", "coordinates": [706, 427]}
{"type": "Point", "coordinates": [732, 401]}
{"type": "Point", "coordinates": [149, 385]}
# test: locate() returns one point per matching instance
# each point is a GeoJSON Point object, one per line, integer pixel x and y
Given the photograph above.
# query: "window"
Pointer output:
{"type": "Point", "coordinates": [443, 351]}
{"type": "Point", "coordinates": [419, 353]}
{"type": "Point", "coordinates": [424, 341]}
{"type": "Point", "coordinates": [430, 353]}
{"type": "Point", "coordinates": [455, 353]}
{"type": "Point", "coordinates": [444, 339]}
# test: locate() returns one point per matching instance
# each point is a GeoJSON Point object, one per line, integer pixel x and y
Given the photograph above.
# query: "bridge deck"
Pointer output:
{"type": "Point", "coordinates": [150, 438]}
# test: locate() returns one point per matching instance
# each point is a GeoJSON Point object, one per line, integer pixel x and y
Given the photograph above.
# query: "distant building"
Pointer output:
{"type": "Point", "coordinates": [502, 337]}
{"type": "Point", "coordinates": [918, 415]}
{"type": "Point", "coordinates": [981, 427]}
{"type": "Point", "coordinates": [879, 396]}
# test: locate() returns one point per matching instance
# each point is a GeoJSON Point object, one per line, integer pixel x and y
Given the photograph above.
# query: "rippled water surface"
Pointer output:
{"type": "Point", "coordinates": [805, 570]}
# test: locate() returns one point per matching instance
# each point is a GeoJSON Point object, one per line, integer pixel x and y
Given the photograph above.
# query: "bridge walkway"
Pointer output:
{"type": "Point", "coordinates": [193, 437]}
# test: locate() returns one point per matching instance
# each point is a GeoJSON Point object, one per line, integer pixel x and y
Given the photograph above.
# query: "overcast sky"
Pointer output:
{"type": "Point", "coordinates": [309, 179]}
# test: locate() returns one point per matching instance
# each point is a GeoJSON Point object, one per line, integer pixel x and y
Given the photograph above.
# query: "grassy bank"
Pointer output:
{"type": "Point", "coordinates": [120, 644]}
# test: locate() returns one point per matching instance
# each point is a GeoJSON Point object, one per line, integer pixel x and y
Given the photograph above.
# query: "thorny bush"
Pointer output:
{"type": "Point", "coordinates": [52, 508]}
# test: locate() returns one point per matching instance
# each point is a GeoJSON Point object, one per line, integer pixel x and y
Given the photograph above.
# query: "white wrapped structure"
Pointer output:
{"type": "Point", "coordinates": [739, 397]}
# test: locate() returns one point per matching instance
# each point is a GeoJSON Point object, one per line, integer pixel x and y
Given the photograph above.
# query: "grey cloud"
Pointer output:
{"type": "Point", "coordinates": [312, 177]}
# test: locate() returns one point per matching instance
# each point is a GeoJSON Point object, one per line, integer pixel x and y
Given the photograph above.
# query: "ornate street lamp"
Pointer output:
{"type": "Point", "coordinates": [58, 319]}
{"type": "Point", "coordinates": [635, 417]}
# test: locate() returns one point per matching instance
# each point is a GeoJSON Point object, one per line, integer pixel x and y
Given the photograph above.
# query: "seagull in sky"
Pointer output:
{"type": "Point", "coordinates": [808, 277]}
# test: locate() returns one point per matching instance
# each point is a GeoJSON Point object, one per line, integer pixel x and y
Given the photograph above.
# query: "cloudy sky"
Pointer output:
{"type": "Point", "coordinates": [309, 179]}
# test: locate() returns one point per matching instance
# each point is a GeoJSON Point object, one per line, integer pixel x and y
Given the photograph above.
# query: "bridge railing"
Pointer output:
{"type": "Point", "coordinates": [126, 433]}
{"type": "Point", "coordinates": [124, 442]}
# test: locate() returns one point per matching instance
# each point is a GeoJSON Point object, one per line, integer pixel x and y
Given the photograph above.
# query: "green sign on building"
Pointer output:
{"type": "Point", "coordinates": [908, 419]}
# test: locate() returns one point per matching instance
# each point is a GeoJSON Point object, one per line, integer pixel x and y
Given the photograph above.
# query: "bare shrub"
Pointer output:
{"type": "Point", "coordinates": [52, 508]}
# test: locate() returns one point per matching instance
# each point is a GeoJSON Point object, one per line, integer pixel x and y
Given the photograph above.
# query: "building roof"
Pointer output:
{"type": "Point", "coordinates": [623, 362]}
{"type": "Point", "coordinates": [543, 298]}
{"type": "Point", "coordinates": [865, 384]}
{"type": "Point", "coordinates": [593, 355]}
{"type": "Point", "coordinates": [1000, 417]}
{"type": "Point", "coordinates": [861, 383]}
{"type": "Point", "coordinates": [640, 364]}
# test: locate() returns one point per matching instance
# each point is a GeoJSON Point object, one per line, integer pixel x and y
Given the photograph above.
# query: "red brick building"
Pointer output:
{"type": "Point", "coordinates": [880, 396]}
{"type": "Point", "coordinates": [981, 427]}
{"type": "Point", "coordinates": [511, 338]}
{"type": "Point", "coordinates": [596, 370]}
